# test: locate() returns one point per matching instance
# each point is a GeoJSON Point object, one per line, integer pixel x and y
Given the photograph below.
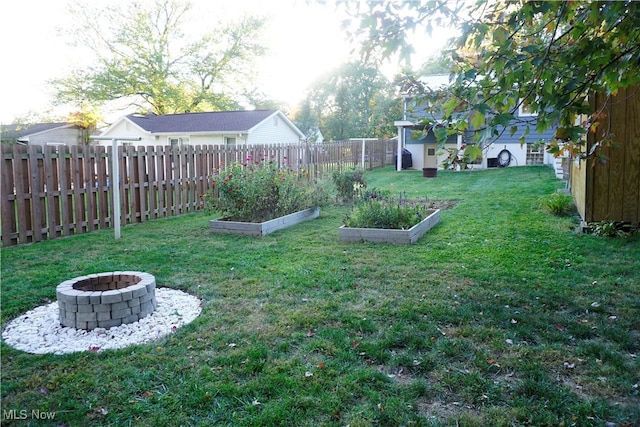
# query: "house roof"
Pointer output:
{"type": "Point", "coordinates": [215, 121]}
{"type": "Point", "coordinates": [16, 131]}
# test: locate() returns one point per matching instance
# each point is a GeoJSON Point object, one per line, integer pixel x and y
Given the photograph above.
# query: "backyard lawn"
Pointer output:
{"type": "Point", "coordinates": [502, 315]}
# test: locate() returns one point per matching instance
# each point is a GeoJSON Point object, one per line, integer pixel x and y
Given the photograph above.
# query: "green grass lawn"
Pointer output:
{"type": "Point", "coordinates": [501, 315]}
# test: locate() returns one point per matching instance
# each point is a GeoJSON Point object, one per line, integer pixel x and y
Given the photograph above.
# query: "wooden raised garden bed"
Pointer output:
{"type": "Point", "coordinates": [384, 235]}
{"type": "Point", "coordinates": [262, 228]}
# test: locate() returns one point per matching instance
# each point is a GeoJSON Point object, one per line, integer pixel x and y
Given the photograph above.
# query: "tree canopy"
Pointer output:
{"type": "Point", "coordinates": [142, 54]}
{"type": "Point", "coordinates": [350, 101]}
{"type": "Point", "coordinates": [546, 55]}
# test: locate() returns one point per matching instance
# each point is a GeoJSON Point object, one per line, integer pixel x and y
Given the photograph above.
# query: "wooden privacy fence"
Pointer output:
{"type": "Point", "coordinates": [53, 191]}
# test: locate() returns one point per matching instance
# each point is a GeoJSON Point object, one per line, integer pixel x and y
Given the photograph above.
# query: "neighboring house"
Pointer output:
{"type": "Point", "coordinates": [505, 150]}
{"type": "Point", "coordinates": [208, 128]}
{"type": "Point", "coordinates": [43, 134]}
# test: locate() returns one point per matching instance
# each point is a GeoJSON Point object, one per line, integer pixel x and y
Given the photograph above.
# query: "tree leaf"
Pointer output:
{"type": "Point", "coordinates": [477, 120]}
{"type": "Point", "coordinates": [472, 152]}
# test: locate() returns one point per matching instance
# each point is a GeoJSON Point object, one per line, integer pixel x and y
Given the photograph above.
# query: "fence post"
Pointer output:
{"type": "Point", "coordinates": [115, 179]}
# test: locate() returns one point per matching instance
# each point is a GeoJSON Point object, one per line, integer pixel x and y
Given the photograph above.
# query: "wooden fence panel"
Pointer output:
{"type": "Point", "coordinates": [610, 191]}
{"type": "Point", "coordinates": [140, 180]}
{"type": "Point", "coordinates": [151, 183]}
{"type": "Point", "coordinates": [103, 187]}
{"type": "Point", "coordinates": [79, 211]}
{"type": "Point", "coordinates": [161, 181]}
{"type": "Point", "coordinates": [22, 195]}
{"type": "Point", "coordinates": [35, 190]}
{"type": "Point", "coordinates": [64, 175]}
{"type": "Point", "coordinates": [617, 117]}
{"type": "Point", "coordinates": [52, 195]}
{"type": "Point", "coordinates": [631, 208]}
{"type": "Point", "coordinates": [183, 180]}
{"type": "Point", "coordinates": [49, 192]}
{"type": "Point", "coordinates": [90, 188]}
{"type": "Point", "coordinates": [8, 206]}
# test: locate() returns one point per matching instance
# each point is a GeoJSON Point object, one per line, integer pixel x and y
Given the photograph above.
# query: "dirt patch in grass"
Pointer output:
{"type": "Point", "coordinates": [447, 411]}
{"type": "Point", "coordinates": [399, 374]}
{"type": "Point", "coordinates": [442, 204]}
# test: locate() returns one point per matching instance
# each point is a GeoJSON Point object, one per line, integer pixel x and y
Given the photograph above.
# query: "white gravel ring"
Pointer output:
{"type": "Point", "coordinates": [38, 331]}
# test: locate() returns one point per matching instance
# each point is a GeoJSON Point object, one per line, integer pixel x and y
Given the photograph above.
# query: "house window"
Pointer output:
{"type": "Point", "coordinates": [275, 121]}
{"type": "Point", "coordinates": [526, 110]}
{"type": "Point", "coordinates": [535, 154]}
{"type": "Point", "coordinates": [431, 151]}
{"type": "Point", "coordinates": [230, 140]}
{"type": "Point", "coordinates": [535, 148]}
{"type": "Point", "coordinates": [178, 141]}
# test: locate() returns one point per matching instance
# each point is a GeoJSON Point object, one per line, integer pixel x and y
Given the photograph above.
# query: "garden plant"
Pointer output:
{"type": "Point", "coordinates": [506, 315]}
{"type": "Point", "coordinates": [347, 183]}
{"type": "Point", "coordinates": [379, 209]}
{"type": "Point", "coordinates": [558, 203]}
{"type": "Point", "coordinates": [259, 190]}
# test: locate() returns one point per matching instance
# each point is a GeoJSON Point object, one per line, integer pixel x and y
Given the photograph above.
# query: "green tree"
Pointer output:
{"type": "Point", "coordinates": [307, 121]}
{"type": "Point", "coordinates": [86, 118]}
{"type": "Point", "coordinates": [546, 55]}
{"type": "Point", "coordinates": [355, 100]}
{"type": "Point", "coordinates": [143, 55]}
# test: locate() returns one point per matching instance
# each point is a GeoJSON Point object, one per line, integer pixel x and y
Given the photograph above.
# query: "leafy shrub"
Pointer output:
{"type": "Point", "coordinates": [348, 183]}
{"type": "Point", "coordinates": [613, 229]}
{"type": "Point", "coordinates": [376, 210]}
{"type": "Point", "coordinates": [258, 191]}
{"type": "Point", "coordinates": [558, 203]}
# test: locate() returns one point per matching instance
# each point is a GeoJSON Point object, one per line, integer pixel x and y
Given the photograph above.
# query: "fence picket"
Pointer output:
{"type": "Point", "coordinates": [51, 192]}
{"type": "Point", "coordinates": [9, 205]}
{"type": "Point", "coordinates": [102, 186]}
{"type": "Point", "coordinates": [22, 196]}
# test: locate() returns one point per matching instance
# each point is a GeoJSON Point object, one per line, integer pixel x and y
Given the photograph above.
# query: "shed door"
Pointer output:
{"type": "Point", "coordinates": [430, 158]}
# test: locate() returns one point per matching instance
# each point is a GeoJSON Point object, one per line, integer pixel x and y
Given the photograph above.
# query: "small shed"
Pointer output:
{"type": "Point", "coordinates": [610, 191]}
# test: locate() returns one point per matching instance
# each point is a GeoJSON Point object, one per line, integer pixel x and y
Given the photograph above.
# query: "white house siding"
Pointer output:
{"type": "Point", "coordinates": [420, 159]}
{"type": "Point", "coordinates": [273, 131]}
{"type": "Point", "coordinates": [205, 140]}
{"type": "Point", "coordinates": [505, 141]}
{"type": "Point", "coordinates": [68, 136]}
{"type": "Point", "coordinates": [518, 154]}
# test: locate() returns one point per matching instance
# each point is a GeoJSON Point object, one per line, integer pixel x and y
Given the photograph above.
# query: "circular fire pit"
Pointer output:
{"type": "Point", "coordinates": [106, 300]}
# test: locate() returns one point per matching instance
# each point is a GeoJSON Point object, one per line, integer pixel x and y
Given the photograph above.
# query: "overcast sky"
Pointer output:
{"type": "Point", "coordinates": [305, 41]}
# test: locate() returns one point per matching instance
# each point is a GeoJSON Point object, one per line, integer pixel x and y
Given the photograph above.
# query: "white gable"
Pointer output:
{"type": "Point", "coordinates": [276, 129]}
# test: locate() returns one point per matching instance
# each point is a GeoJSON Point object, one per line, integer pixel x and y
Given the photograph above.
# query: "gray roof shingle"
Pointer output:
{"type": "Point", "coordinates": [215, 121]}
{"type": "Point", "coordinates": [21, 130]}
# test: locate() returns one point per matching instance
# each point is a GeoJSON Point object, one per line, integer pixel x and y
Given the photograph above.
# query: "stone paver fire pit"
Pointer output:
{"type": "Point", "coordinates": [106, 300]}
